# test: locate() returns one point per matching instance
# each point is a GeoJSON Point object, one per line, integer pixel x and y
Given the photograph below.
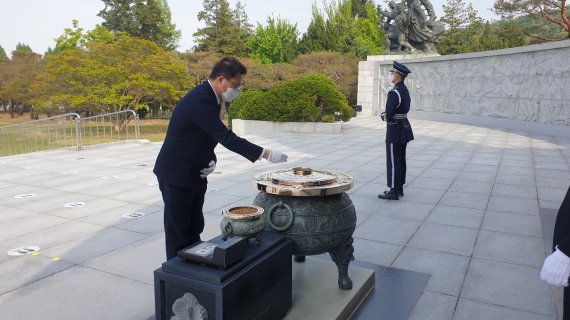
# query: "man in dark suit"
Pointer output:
{"type": "Point", "coordinates": [187, 155]}
{"type": "Point", "coordinates": [398, 131]}
{"type": "Point", "coordinates": [556, 267]}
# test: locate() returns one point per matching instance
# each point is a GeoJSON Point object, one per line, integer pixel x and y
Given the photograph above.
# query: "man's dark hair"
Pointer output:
{"type": "Point", "coordinates": [228, 67]}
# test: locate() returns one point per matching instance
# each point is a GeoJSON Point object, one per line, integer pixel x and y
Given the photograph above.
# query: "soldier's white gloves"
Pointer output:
{"type": "Point", "coordinates": [383, 116]}
{"type": "Point", "coordinates": [276, 156]}
{"type": "Point", "coordinates": [556, 269]}
{"type": "Point", "coordinates": [206, 171]}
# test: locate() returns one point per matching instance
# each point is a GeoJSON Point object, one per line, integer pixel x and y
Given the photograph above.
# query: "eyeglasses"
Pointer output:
{"type": "Point", "coordinates": [240, 86]}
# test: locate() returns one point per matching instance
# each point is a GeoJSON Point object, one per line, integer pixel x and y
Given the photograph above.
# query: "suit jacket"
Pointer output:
{"type": "Point", "coordinates": [194, 131]}
{"type": "Point", "coordinates": [562, 226]}
{"type": "Point", "coordinates": [398, 102]}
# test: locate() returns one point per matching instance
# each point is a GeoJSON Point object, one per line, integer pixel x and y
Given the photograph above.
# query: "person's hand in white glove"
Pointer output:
{"type": "Point", "coordinates": [556, 269]}
{"type": "Point", "coordinates": [206, 171]}
{"type": "Point", "coordinates": [276, 156]}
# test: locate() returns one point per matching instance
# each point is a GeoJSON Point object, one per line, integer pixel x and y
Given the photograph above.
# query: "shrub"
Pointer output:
{"type": "Point", "coordinates": [312, 98]}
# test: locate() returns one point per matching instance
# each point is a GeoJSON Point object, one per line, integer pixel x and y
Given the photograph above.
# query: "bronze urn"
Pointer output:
{"type": "Point", "coordinates": [310, 207]}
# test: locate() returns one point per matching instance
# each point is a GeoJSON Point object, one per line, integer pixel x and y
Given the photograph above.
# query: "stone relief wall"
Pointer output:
{"type": "Point", "coordinates": [529, 83]}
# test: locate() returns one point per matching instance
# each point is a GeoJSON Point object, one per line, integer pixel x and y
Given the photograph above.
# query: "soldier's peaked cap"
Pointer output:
{"type": "Point", "coordinates": [400, 68]}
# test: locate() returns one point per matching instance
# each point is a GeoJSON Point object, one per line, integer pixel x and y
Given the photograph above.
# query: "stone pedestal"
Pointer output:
{"type": "Point", "coordinates": [257, 287]}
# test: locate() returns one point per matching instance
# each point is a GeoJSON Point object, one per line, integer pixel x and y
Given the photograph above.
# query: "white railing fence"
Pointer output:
{"type": "Point", "coordinates": [68, 131]}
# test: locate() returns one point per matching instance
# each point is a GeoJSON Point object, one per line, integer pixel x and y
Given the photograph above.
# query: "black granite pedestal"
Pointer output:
{"type": "Point", "coordinates": [257, 287]}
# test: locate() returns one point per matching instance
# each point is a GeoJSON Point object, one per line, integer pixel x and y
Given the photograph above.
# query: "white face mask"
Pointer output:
{"type": "Point", "coordinates": [390, 77]}
{"type": "Point", "coordinates": [230, 94]}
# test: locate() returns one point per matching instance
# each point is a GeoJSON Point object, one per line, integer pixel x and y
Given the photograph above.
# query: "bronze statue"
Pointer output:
{"type": "Point", "coordinates": [412, 30]}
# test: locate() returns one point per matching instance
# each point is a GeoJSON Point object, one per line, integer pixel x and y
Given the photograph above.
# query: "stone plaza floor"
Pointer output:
{"type": "Point", "coordinates": [470, 218]}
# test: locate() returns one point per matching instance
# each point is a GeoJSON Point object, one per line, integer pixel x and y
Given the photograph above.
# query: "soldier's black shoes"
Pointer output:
{"type": "Point", "coordinates": [400, 192]}
{"type": "Point", "coordinates": [389, 195]}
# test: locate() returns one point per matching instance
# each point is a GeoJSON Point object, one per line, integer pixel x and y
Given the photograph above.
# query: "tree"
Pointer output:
{"type": "Point", "coordinates": [75, 37]}
{"type": "Point", "coordinates": [3, 55]}
{"type": "Point", "coordinates": [125, 74]}
{"type": "Point", "coordinates": [21, 47]}
{"type": "Point", "coordinates": [16, 77]}
{"type": "Point", "coordinates": [226, 30]}
{"type": "Point", "coordinates": [462, 22]}
{"type": "Point", "coordinates": [345, 29]}
{"type": "Point", "coordinates": [145, 19]}
{"type": "Point", "coordinates": [553, 11]}
{"type": "Point", "coordinates": [277, 42]}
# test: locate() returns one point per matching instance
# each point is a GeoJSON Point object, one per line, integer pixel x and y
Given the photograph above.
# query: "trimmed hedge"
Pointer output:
{"type": "Point", "coordinates": [312, 98]}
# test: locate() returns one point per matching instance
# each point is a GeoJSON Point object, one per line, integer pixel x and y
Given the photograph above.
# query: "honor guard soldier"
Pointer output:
{"type": "Point", "coordinates": [398, 131]}
{"type": "Point", "coordinates": [556, 267]}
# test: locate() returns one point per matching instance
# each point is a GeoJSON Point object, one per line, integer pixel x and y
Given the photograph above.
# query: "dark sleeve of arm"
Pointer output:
{"type": "Point", "coordinates": [391, 104]}
{"type": "Point", "coordinates": [563, 224]}
{"type": "Point", "coordinates": [209, 121]}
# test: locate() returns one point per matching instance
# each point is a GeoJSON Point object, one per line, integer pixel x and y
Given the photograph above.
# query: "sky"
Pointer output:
{"type": "Point", "coordinates": [38, 22]}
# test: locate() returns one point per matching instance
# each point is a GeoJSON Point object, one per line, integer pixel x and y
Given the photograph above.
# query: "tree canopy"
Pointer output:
{"type": "Point", "coordinates": [276, 42]}
{"type": "Point", "coordinates": [226, 30]}
{"type": "Point", "coordinates": [145, 19]}
{"type": "Point", "coordinates": [556, 12]}
{"type": "Point", "coordinates": [127, 73]}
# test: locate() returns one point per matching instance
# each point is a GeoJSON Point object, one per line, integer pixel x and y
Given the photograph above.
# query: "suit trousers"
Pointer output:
{"type": "Point", "coordinates": [183, 216]}
{"type": "Point", "coordinates": [396, 164]}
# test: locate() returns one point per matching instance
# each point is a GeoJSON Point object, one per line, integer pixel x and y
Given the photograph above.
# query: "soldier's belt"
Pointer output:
{"type": "Point", "coordinates": [399, 116]}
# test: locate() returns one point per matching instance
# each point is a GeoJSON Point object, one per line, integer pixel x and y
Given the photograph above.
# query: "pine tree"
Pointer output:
{"type": "Point", "coordinates": [144, 19]}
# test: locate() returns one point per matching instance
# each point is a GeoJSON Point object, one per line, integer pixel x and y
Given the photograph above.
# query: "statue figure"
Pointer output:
{"type": "Point", "coordinates": [413, 30]}
{"type": "Point", "coordinates": [395, 34]}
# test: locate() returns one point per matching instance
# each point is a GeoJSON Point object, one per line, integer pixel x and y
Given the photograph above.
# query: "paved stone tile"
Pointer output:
{"type": "Point", "coordinates": [150, 224]}
{"type": "Point", "coordinates": [550, 194]}
{"type": "Point", "coordinates": [520, 163]}
{"type": "Point", "coordinates": [471, 187]}
{"type": "Point", "coordinates": [375, 252]}
{"type": "Point", "coordinates": [470, 167]}
{"type": "Point", "coordinates": [440, 173]}
{"type": "Point", "coordinates": [447, 270]}
{"type": "Point", "coordinates": [485, 161]}
{"type": "Point", "coordinates": [387, 230]}
{"type": "Point", "coordinates": [121, 262]}
{"type": "Point", "coordinates": [455, 216]}
{"type": "Point", "coordinates": [450, 239]}
{"type": "Point", "coordinates": [474, 310]}
{"type": "Point", "coordinates": [476, 176]}
{"type": "Point", "coordinates": [89, 290]}
{"type": "Point", "coordinates": [508, 285]}
{"type": "Point", "coordinates": [114, 216]}
{"type": "Point", "coordinates": [20, 271]}
{"type": "Point", "coordinates": [54, 235]}
{"type": "Point", "coordinates": [506, 190]}
{"type": "Point", "coordinates": [448, 165]}
{"type": "Point", "coordinates": [553, 173]}
{"type": "Point", "coordinates": [33, 222]}
{"type": "Point", "coordinates": [9, 214]}
{"type": "Point", "coordinates": [464, 200]}
{"type": "Point", "coordinates": [430, 183]}
{"type": "Point", "coordinates": [434, 306]}
{"type": "Point", "coordinates": [523, 171]}
{"type": "Point", "coordinates": [553, 183]}
{"type": "Point", "coordinates": [405, 210]}
{"type": "Point", "coordinates": [93, 245]}
{"type": "Point", "coordinates": [506, 247]}
{"type": "Point", "coordinates": [513, 205]}
{"type": "Point", "coordinates": [522, 224]}
{"type": "Point", "coordinates": [513, 179]}
{"type": "Point", "coordinates": [428, 196]}
{"type": "Point", "coordinates": [368, 204]}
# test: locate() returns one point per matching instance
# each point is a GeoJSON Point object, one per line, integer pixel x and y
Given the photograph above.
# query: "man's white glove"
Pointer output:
{"type": "Point", "coordinates": [276, 156]}
{"type": "Point", "coordinates": [383, 116]}
{"type": "Point", "coordinates": [206, 171]}
{"type": "Point", "coordinates": [556, 269]}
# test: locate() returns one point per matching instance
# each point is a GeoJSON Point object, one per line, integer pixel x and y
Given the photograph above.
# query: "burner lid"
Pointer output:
{"type": "Point", "coordinates": [303, 181]}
